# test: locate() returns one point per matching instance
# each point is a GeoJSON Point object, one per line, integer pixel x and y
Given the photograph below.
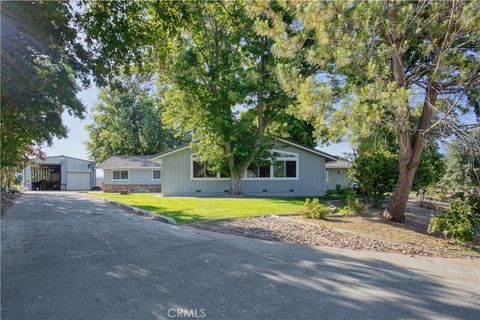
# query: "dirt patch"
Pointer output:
{"type": "Point", "coordinates": [7, 198]}
{"type": "Point", "coordinates": [357, 233]}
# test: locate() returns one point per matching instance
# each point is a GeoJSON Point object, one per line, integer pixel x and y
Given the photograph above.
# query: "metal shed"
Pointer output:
{"type": "Point", "coordinates": [60, 173]}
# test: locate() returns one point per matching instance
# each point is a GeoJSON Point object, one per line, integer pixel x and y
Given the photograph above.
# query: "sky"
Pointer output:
{"type": "Point", "coordinates": [74, 144]}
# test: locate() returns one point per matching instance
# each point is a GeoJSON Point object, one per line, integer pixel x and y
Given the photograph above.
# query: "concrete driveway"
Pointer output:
{"type": "Point", "coordinates": [67, 256]}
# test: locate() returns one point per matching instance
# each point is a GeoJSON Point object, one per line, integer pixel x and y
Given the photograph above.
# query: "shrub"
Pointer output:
{"type": "Point", "coordinates": [460, 222]}
{"type": "Point", "coordinates": [331, 194]}
{"type": "Point", "coordinates": [338, 189]}
{"type": "Point", "coordinates": [356, 206]}
{"type": "Point", "coordinates": [349, 195]}
{"type": "Point", "coordinates": [458, 195]}
{"type": "Point", "coordinates": [313, 209]}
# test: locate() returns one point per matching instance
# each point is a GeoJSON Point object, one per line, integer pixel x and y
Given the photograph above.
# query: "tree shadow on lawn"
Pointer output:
{"type": "Point", "coordinates": [236, 278]}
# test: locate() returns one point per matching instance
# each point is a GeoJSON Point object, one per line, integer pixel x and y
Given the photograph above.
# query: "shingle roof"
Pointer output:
{"type": "Point", "coordinates": [119, 162]}
{"type": "Point", "coordinates": [339, 164]}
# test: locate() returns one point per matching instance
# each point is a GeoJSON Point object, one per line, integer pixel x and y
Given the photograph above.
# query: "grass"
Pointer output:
{"type": "Point", "coordinates": [190, 209]}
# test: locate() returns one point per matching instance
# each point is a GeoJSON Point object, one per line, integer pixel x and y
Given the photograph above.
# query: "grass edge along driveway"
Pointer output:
{"type": "Point", "coordinates": [192, 209]}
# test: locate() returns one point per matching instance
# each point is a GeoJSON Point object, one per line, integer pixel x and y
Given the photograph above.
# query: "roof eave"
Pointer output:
{"type": "Point", "coordinates": [315, 151]}
{"type": "Point", "coordinates": [166, 153]}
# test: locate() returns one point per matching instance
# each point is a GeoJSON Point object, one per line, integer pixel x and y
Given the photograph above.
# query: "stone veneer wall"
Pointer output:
{"type": "Point", "coordinates": [131, 187]}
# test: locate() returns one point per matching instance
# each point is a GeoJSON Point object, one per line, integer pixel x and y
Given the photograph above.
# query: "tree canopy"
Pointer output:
{"type": "Point", "coordinates": [359, 66]}
{"type": "Point", "coordinates": [216, 76]}
{"type": "Point", "coordinates": [462, 165]}
{"type": "Point", "coordinates": [128, 121]}
{"type": "Point", "coordinates": [43, 68]}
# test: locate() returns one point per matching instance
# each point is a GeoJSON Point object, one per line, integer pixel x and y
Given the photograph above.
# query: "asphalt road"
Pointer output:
{"type": "Point", "coordinates": [67, 256]}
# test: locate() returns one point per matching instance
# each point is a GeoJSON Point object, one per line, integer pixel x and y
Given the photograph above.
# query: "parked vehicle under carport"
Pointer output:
{"type": "Point", "coordinates": [46, 177]}
{"type": "Point", "coordinates": [60, 173]}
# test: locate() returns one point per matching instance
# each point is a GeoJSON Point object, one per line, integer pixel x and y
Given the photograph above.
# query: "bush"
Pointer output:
{"type": "Point", "coordinates": [349, 195]}
{"type": "Point", "coordinates": [338, 189]}
{"type": "Point", "coordinates": [313, 209]}
{"type": "Point", "coordinates": [356, 206]}
{"type": "Point", "coordinates": [331, 194]}
{"type": "Point", "coordinates": [460, 222]}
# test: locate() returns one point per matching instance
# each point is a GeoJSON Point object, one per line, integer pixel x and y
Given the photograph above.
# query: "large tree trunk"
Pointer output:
{"type": "Point", "coordinates": [237, 171]}
{"type": "Point", "coordinates": [235, 185]}
{"type": "Point", "coordinates": [395, 210]}
{"type": "Point", "coordinates": [411, 142]}
{"type": "Point", "coordinates": [409, 159]}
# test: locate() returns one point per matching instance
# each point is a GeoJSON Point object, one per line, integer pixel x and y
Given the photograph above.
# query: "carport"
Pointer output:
{"type": "Point", "coordinates": [60, 173]}
{"type": "Point", "coordinates": [47, 177]}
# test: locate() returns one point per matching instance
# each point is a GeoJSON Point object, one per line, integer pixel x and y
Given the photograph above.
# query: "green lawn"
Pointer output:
{"type": "Point", "coordinates": [189, 210]}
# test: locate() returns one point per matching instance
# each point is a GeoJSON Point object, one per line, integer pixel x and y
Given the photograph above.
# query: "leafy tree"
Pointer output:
{"type": "Point", "coordinates": [430, 169]}
{"type": "Point", "coordinates": [462, 165]}
{"type": "Point", "coordinates": [216, 75]}
{"type": "Point", "coordinates": [288, 126]}
{"type": "Point", "coordinates": [382, 58]}
{"type": "Point", "coordinates": [375, 167]}
{"type": "Point", "coordinates": [375, 171]}
{"type": "Point", "coordinates": [460, 222]}
{"type": "Point", "coordinates": [43, 68]}
{"type": "Point", "coordinates": [127, 121]}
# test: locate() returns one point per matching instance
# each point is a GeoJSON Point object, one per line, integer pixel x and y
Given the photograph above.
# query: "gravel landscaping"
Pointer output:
{"type": "Point", "coordinates": [295, 229]}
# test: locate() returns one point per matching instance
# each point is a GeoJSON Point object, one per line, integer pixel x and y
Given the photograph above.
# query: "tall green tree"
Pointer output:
{"type": "Point", "coordinates": [375, 171]}
{"type": "Point", "coordinates": [430, 169]}
{"type": "Point", "coordinates": [128, 121]}
{"type": "Point", "coordinates": [390, 61]}
{"type": "Point", "coordinates": [216, 75]}
{"type": "Point", "coordinates": [462, 165]}
{"type": "Point", "coordinates": [375, 167]}
{"type": "Point", "coordinates": [43, 68]}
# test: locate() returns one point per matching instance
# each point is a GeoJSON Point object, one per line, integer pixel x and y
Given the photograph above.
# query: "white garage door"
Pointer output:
{"type": "Point", "coordinates": [78, 181]}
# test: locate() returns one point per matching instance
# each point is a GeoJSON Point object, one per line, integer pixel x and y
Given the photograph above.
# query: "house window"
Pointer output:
{"type": "Point", "coordinates": [198, 170]}
{"type": "Point", "coordinates": [201, 171]}
{"type": "Point", "coordinates": [224, 175]}
{"type": "Point", "coordinates": [284, 166]}
{"type": "Point", "coordinates": [120, 175]}
{"type": "Point", "coordinates": [291, 169]}
{"type": "Point", "coordinates": [156, 174]}
{"type": "Point", "coordinates": [285, 169]}
{"type": "Point", "coordinates": [264, 171]}
{"type": "Point", "coordinates": [252, 171]}
{"type": "Point", "coordinates": [326, 175]}
{"type": "Point", "coordinates": [261, 171]}
{"type": "Point", "coordinates": [279, 169]}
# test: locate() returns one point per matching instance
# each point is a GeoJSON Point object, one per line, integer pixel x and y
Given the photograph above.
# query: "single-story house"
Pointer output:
{"type": "Point", "coordinates": [337, 174]}
{"type": "Point", "coordinates": [132, 173]}
{"type": "Point", "coordinates": [60, 173]}
{"type": "Point", "coordinates": [297, 171]}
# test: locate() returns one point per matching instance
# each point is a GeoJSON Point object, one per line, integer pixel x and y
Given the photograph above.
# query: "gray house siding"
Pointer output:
{"type": "Point", "coordinates": [136, 176]}
{"type": "Point", "coordinates": [177, 181]}
{"type": "Point", "coordinates": [337, 176]}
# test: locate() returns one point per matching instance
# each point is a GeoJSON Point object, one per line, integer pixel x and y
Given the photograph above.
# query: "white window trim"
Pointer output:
{"type": "Point", "coordinates": [326, 175]}
{"type": "Point", "coordinates": [217, 178]}
{"type": "Point", "coordinates": [296, 159]}
{"type": "Point", "coordinates": [128, 170]}
{"type": "Point", "coordinates": [160, 175]}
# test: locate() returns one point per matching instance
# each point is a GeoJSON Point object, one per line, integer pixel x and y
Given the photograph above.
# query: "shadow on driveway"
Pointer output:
{"type": "Point", "coordinates": [66, 256]}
